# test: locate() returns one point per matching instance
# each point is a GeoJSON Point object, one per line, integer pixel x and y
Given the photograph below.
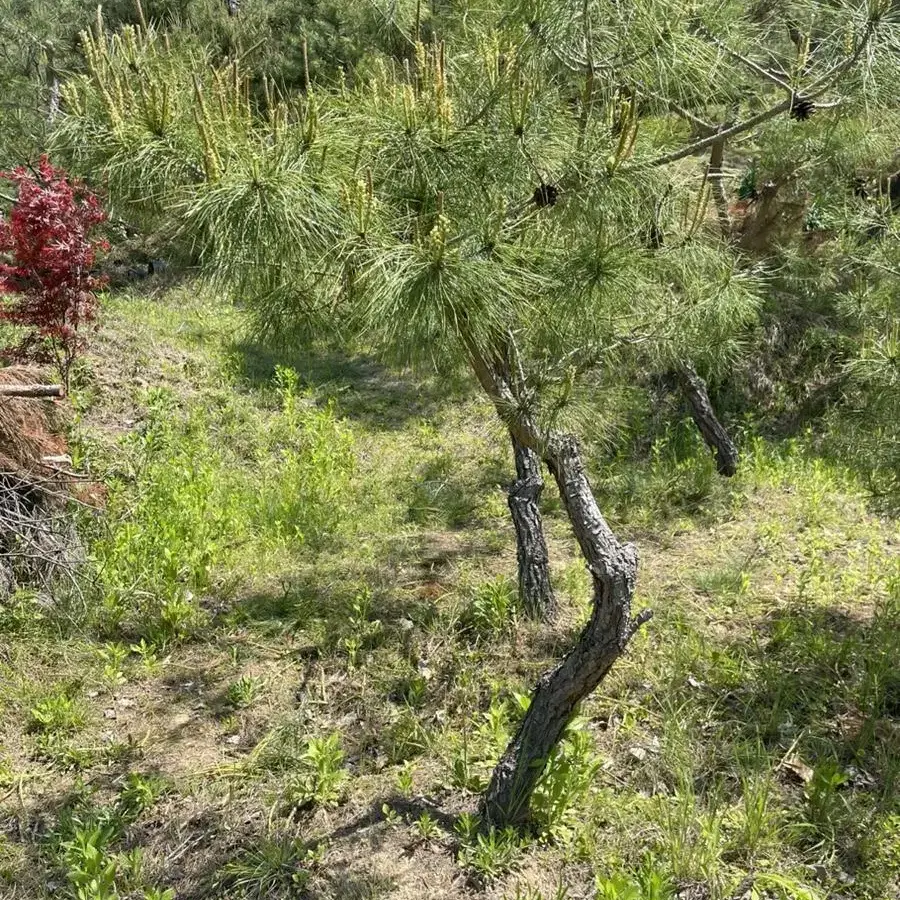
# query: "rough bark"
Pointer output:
{"type": "Point", "coordinates": [704, 415]}
{"type": "Point", "coordinates": [535, 589]}
{"type": "Point", "coordinates": [613, 569]}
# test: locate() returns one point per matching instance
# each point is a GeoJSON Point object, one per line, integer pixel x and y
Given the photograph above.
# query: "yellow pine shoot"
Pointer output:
{"type": "Point", "coordinates": [96, 59]}
{"type": "Point", "coordinates": [519, 101]}
{"type": "Point", "coordinates": [237, 92]}
{"type": "Point", "coordinates": [409, 107]}
{"type": "Point", "coordinates": [443, 106]}
{"type": "Point", "coordinates": [220, 95]}
{"type": "Point", "coordinates": [70, 92]}
{"type": "Point", "coordinates": [129, 44]}
{"type": "Point", "coordinates": [802, 56]}
{"type": "Point", "coordinates": [212, 162]}
{"type": "Point", "coordinates": [436, 241]}
{"type": "Point", "coordinates": [421, 64]}
{"type": "Point", "coordinates": [490, 57]}
{"type": "Point", "coordinates": [140, 13]}
{"type": "Point", "coordinates": [310, 122]}
{"type": "Point", "coordinates": [628, 128]}
{"type": "Point", "coordinates": [703, 196]}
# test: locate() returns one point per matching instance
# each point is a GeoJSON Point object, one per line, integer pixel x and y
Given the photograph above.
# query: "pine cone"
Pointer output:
{"type": "Point", "coordinates": [545, 195]}
{"type": "Point", "coordinates": [802, 108]}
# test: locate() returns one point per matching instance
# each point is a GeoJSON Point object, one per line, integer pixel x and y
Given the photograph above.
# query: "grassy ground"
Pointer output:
{"type": "Point", "coordinates": [298, 653]}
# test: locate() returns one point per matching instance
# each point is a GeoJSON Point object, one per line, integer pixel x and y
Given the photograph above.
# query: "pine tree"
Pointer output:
{"type": "Point", "coordinates": [520, 194]}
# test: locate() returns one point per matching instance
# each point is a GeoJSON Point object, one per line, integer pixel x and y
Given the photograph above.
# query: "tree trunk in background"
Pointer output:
{"type": "Point", "coordinates": [535, 589]}
{"type": "Point", "coordinates": [703, 414]}
{"type": "Point", "coordinates": [53, 87]}
{"type": "Point", "coordinates": [720, 195]}
{"type": "Point", "coordinates": [613, 569]}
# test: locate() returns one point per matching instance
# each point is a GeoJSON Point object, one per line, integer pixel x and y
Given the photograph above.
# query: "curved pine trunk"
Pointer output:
{"type": "Point", "coordinates": [613, 568]}
{"type": "Point", "coordinates": [535, 588]}
{"type": "Point", "coordinates": [704, 415]}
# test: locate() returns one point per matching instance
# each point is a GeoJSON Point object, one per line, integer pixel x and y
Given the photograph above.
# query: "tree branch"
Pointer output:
{"type": "Point", "coordinates": [749, 63]}
{"type": "Point", "coordinates": [818, 87]}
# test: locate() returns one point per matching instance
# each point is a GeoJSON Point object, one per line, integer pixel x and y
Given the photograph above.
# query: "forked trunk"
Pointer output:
{"type": "Point", "coordinates": [704, 415]}
{"type": "Point", "coordinates": [613, 568]}
{"type": "Point", "coordinates": [535, 589]}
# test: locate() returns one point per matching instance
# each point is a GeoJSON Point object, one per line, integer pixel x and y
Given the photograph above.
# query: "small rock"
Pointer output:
{"type": "Point", "coordinates": [798, 769]}
{"type": "Point", "coordinates": [109, 713]}
{"type": "Point", "coordinates": [819, 872]}
{"type": "Point", "coordinates": [639, 753]}
{"type": "Point", "coordinates": [859, 779]}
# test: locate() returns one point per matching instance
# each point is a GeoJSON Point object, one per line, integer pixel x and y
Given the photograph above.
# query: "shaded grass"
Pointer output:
{"type": "Point", "coordinates": [748, 741]}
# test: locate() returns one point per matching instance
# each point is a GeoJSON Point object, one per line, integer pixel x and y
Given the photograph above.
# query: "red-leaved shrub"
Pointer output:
{"type": "Point", "coordinates": [49, 250]}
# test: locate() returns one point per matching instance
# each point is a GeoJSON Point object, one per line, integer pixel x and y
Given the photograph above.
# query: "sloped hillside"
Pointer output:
{"type": "Point", "coordinates": [299, 653]}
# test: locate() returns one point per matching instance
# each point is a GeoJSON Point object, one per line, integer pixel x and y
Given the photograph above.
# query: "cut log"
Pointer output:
{"type": "Point", "coordinates": [31, 390]}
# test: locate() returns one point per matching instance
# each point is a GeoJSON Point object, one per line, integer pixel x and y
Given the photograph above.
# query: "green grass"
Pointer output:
{"type": "Point", "coordinates": [298, 654]}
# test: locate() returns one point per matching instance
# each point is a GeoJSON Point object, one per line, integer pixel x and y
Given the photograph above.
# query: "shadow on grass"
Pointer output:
{"type": "Point", "coordinates": [365, 389]}
{"type": "Point", "coordinates": [410, 809]}
{"type": "Point", "coordinates": [326, 614]}
{"type": "Point", "coordinates": [811, 700]}
{"type": "Point", "coordinates": [832, 677]}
